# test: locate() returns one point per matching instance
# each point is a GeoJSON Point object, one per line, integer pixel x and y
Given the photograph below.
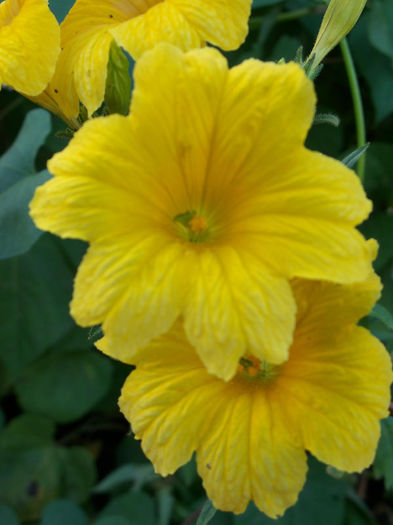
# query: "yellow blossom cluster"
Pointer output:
{"type": "Point", "coordinates": [224, 260]}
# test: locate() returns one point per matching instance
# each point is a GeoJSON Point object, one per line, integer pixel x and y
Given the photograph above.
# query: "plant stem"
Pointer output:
{"type": "Point", "coordinates": [357, 104]}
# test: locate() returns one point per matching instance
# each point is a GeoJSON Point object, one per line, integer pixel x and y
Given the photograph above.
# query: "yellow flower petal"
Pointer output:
{"type": "Point", "coordinates": [234, 306]}
{"type": "Point", "coordinates": [244, 449]}
{"type": "Point", "coordinates": [217, 175]}
{"type": "Point", "coordinates": [250, 434]}
{"type": "Point", "coordinates": [137, 26]}
{"type": "Point", "coordinates": [29, 45]}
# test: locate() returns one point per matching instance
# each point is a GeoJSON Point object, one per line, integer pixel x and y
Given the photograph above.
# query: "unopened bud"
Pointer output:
{"type": "Point", "coordinates": [339, 19]}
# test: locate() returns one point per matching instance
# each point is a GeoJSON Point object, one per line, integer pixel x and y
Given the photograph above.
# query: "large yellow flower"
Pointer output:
{"type": "Point", "coordinates": [203, 203]}
{"type": "Point", "coordinates": [251, 433]}
{"type": "Point", "coordinates": [137, 25]}
{"type": "Point", "coordinates": [29, 45]}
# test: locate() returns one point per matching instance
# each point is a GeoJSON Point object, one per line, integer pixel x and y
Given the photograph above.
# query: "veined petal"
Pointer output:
{"type": "Point", "coordinates": [337, 373]}
{"type": "Point", "coordinates": [162, 23]}
{"type": "Point", "coordinates": [94, 186]}
{"type": "Point", "coordinates": [343, 380]}
{"type": "Point", "coordinates": [233, 306]}
{"type": "Point", "coordinates": [222, 23]}
{"type": "Point", "coordinates": [29, 45]}
{"type": "Point", "coordinates": [151, 301]}
{"type": "Point", "coordinates": [244, 448]}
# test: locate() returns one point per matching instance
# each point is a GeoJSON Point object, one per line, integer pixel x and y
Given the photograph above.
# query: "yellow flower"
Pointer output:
{"type": "Point", "coordinates": [91, 25]}
{"type": "Point", "coordinates": [203, 203]}
{"type": "Point", "coordinates": [250, 434]}
{"type": "Point", "coordinates": [29, 45]}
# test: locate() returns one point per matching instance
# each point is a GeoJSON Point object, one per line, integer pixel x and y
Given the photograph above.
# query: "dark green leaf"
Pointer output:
{"type": "Point", "coordinates": [383, 464]}
{"type": "Point", "coordinates": [380, 23]}
{"type": "Point", "coordinates": [8, 516]}
{"type": "Point", "coordinates": [27, 430]}
{"type": "Point", "coordinates": [356, 512]}
{"type": "Point", "coordinates": [131, 473]}
{"type": "Point", "coordinates": [380, 227]}
{"type": "Point", "coordinates": [166, 501]}
{"type": "Point", "coordinates": [113, 520]}
{"type": "Point", "coordinates": [207, 513]}
{"type": "Point", "coordinates": [64, 385]}
{"type": "Point", "coordinates": [78, 473]}
{"type": "Point", "coordinates": [137, 507]}
{"type": "Point", "coordinates": [382, 314]}
{"type": "Point", "coordinates": [18, 162]}
{"type": "Point", "coordinates": [35, 290]}
{"type": "Point", "coordinates": [61, 7]}
{"type": "Point", "coordinates": [63, 512]}
{"type": "Point", "coordinates": [17, 230]}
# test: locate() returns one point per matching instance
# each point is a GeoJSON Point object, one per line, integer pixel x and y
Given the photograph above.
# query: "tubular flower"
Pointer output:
{"type": "Point", "coordinates": [136, 25]}
{"type": "Point", "coordinates": [29, 45]}
{"type": "Point", "coordinates": [203, 202]}
{"type": "Point", "coordinates": [250, 434]}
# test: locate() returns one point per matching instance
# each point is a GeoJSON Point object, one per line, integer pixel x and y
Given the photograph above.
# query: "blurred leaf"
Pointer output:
{"type": "Point", "coordinates": [8, 516]}
{"type": "Point", "coordinates": [131, 473]}
{"type": "Point", "coordinates": [356, 511]}
{"type": "Point", "coordinates": [380, 227]}
{"type": "Point", "coordinates": [376, 68]}
{"type": "Point", "coordinates": [63, 512]}
{"type": "Point", "coordinates": [166, 502]}
{"type": "Point", "coordinates": [64, 385]}
{"type": "Point", "coordinates": [17, 230]}
{"type": "Point", "coordinates": [285, 47]}
{"type": "Point", "coordinates": [382, 314]}
{"type": "Point", "coordinates": [320, 502]}
{"type": "Point", "coordinates": [383, 463]}
{"type": "Point", "coordinates": [18, 162]}
{"type": "Point", "coordinates": [264, 3]}
{"type": "Point", "coordinates": [351, 159]}
{"type": "Point", "coordinates": [380, 23]}
{"type": "Point", "coordinates": [207, 513]}
{"type": "Point", "coordinates": [60, 8]}
{"type": "Point", "coordinates": [137, 507]}
{"type": "Point", "coordinates": [35, 471]}
{"type": "Point", "coordinates": [2, 419]}
{"type": "Point", "coordinates": [78, 473]}
{"type": "Point", "coordinates": [113, 520]}
{"type": "Point", "coordinates": [118, 81]}
{"type": "Point", "coordinates": [35, 290]}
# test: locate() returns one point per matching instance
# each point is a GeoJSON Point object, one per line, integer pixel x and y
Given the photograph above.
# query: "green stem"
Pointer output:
{"type": "Point", "coordinates": [357, 104]}
{"type": "Point", "coordinates": [284, 17]}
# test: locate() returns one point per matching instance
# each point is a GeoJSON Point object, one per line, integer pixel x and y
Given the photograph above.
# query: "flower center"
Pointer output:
{"type": "Point", "coordinates": [193, 226]}
{"type": "Point", "coordinates": [251, 367]}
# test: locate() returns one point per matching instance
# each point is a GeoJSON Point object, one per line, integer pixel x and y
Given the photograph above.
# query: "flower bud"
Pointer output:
{"type": "Point", "coordinates": [339, 19]}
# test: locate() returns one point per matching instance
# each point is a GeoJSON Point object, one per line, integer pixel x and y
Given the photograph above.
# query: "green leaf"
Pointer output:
{"type": "Point", "coordinates": [131, 473]}
{"type": "Point", "coordinates": [382, 314]}
{"type": "Point", "coordinates": [356, 512]}
{"type": "Point", "coordinates": [351, 159]}
{"type": "Point", "coordinates": [383, 463]}
{"type": "Point", "coordinates": [34, 295]}
{"type": "Point", "coordinates": [28, 430]}
{"type": "Point", "coordinates": [380, 227]}
{"type": "Point", "coordinates": [78, 473]}
{"type": "Point", "coordinates": [60, 8]}
{"type": "Point", "coordinates": [63, 512]}
{"type": "Point", "coordinates": [166, 502]}
{"type": "Point", "coordinates": [375, 67]}
{"type": "Point", "coordinates": [207, 513]}
{"type": "Point", "coordinates": [18, 162]}
{"type": "Point", "coordinates": [137, 507]}
{"type": "Point", "coordinates": [64, 385]}
{"type": "Point", "coordinates": [264, 3]}
{"type": "Point", "coordinates": [113, 520]}
{"type": "Point", "coordinates": [118, 82]}
{"type": "Point", "coordinates": [17, 230]}
{"type": "Point", "coordinates": [380, 23]}
{"type": "Point", "coordinates": [8, 516]}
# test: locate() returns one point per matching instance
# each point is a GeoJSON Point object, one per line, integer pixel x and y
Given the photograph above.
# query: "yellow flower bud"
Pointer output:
{"type": "Point", "coordinates": [339, 19]}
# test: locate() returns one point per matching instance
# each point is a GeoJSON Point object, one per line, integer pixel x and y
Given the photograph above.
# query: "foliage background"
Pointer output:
{"type": "Point", "coordinates": [66, 456]}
